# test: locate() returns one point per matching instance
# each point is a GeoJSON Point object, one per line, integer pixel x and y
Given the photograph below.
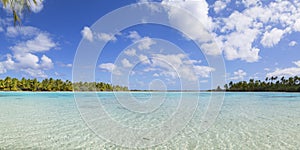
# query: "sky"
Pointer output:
{"type": "Point", "coordinates": [255, 39]}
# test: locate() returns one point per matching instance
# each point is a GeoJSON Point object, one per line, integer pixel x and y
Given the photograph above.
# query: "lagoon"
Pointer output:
{"type": "Point", "coordinates": [52, 120]}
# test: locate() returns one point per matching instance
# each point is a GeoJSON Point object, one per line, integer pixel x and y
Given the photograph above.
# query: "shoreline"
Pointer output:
{"type": "Point", "coordinates": [142, 91]}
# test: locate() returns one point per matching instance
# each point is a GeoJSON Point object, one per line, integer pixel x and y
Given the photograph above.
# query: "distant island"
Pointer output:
{"type": "Point", "coordinates": [14, 84]}
{"type": "Point", "coordinates": [270, 84]}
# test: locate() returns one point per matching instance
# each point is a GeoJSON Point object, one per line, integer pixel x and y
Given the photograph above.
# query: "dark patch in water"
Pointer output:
{"type": "Point", "coordinates": [283, 96]}
{"type": "Point", "coordinates": [264, 118]}
{"type": "Point", "coordinates": [88, 106]}
{"type": "Point", "coordinates": [146, 139]}
{"type": "Point", "coordinates": [53, 97]}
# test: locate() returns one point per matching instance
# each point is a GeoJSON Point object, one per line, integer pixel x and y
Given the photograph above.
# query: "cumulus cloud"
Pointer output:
{"type": "Point", "coordinates": [203, 71]}
{"type": "Point", "coordinates": [292, 43]}
{"type": "Point", "coordinates": [219, 5]}
{"type": "Point", "coordinates": [145, 43]}
{"type": "Point", "coordinates": [272, 38]}
{"type": "Point", "coordinates": [240, 30]}
{"type": "Point", "coordinates": [106, 37]}
{"type": "Point", "coordinates": [239, 45]}
{"type": "Point", "coordinates": [46, 63]}
{"type": "Point", "coordinates": [177, 65]}
{"type": "Point", "coordinates": [134, 36]}
{"type": "Point", "coordinates": [87, 34]}
{"type": "Point", "coordinates": [24, 57]}
{"type": "Point", "coordinates": [198, 8]}
{"type": "Point", "coordinates": [288, 72]}
{"type": "Point", "coordinates": [41, 43]}
{"type": "Point", "coordinates": [238, 75]}
{"type": "Point", "coordinates": [130, 52]}
{"type": "Point", "coordinates": [28, 63]}
{"type": "Point", "coordinates": [144, 59]}
{"type": "Point", "coordinates": [35, 73]}
{"type": "Point", "coordinates": [64, 65]}
{"type": "Point", "coordinates": [29, 31]}
{"type": "Point", "coordinates": [155, 75]}
{"type": "Point", "coordinates": [108, 66]}
{"type": "Point", "coordinates": [249, 3]}
{"type": "Point", "coordinates": [126, 63]}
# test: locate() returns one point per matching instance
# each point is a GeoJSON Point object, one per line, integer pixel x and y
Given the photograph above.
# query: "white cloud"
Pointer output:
{"type": "Point", "coordinates": [297, 63]}
{"type": "Point", "coordinates": [41, 43]}
{"type": "Point", "coordinates": [134, 36]}
{"type": "Point", "coordinates": [35, 73]}
{"type": "Point", "coordinates": [178, 65]}
{"type": "Point", "coordinates": [130, 52]}
{"type": "Point", "coordinates": [23, 56]}
{"type": "Point", "coordinates": [46, 63]}
{"type": "Point", "coordinates": [238, 75]}
{"type": "Point", "coordinates": [69, 65]}
{"type": "Point", "coordinates": [27, 60]}
{"type": "Point", "coordinates": [145, 43]}
{"type": "Point", "coordinates": [292, 43]}
{"type": "Point", "coordinates": [155, 75]}
{"type": "Point", "coordinates": [285, 72]}
{"type": "Point", "coordinates": [87, 34]}
{"type": "Point", "coordinates": [106, 37]}
{"type": "Point", "coordinates": [272, 38]}
{"type": "Point", "coordinates": [191, 61]}
{"type": "Point", "coordinates": [65, 65]}
{"type": "Point", "coordinates": [211, 48]}
{"type": "Point", "coordinates": [22, 31]}
{"type": "Point", "coordinates": [238, 45]}
{"type": "Point", "coordinates": [288, 72]}
{"type": "Point", "coordinates": [219, 5]}
{"type": "Point", "coordinates": [2, 69]}
{"type": "Point", "coordinates": [266, 69]}
{"type": "Point", "coordinates": [125, 62]}
{"type": "Point", "coordinates": [153, 7]}
{"type": "Point", "coordinates": [199, 9]}
{"type": "Point", "coordinates": [144, 59]}
{"type": "Point", "coordinates": [9, 63]}
{"type": "Point", "coordinates": [203, 71]}
{"type": "Point", "coordinates": [297, 25]}
{"type": "Point", "coordinates": [249, 3]}
{"type": "Point", "coordinates": [108, 66]}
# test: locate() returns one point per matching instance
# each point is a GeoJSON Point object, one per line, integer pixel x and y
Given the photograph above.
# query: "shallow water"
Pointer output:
{"type": "Point", "coordinates": [245, 121]}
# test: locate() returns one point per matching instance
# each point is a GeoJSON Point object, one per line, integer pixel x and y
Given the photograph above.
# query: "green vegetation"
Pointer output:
{"type": "Point", "coordinates": [13, 84]}
{"type": "Point", "coordinates": [272, 84]}
{"type": "Point", "coordinates": [17, 7]}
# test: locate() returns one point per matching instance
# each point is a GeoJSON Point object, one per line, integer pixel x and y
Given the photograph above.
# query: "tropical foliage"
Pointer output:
{"type": "Point", "coordinates": [13, 84]}
{"type": "Point", "coordinates": [18, 6]}
{"type": "Point", "coordinates": [276, 84]}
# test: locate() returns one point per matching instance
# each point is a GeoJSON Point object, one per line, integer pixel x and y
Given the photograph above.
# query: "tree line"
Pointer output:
{"type": "Point", "coordinates": [14, 84]}
{"type": "Point", "coordinates": [272, 84]}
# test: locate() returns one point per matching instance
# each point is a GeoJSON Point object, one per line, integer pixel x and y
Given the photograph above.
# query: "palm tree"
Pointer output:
{"type": "Point", "coordinates": [17, 7]}
{"type": "Point", "coordinates": [14, 84]}
{"type": "Point", "coordinates": [7, 84]}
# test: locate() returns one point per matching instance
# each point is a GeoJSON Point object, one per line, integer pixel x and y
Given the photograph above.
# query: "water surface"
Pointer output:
{"type": "Point", "coordinates": [246, 121]}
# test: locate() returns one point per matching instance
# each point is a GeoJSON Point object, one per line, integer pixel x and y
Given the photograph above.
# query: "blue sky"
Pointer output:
{"type": "Point", "coordinates": [256, 39]}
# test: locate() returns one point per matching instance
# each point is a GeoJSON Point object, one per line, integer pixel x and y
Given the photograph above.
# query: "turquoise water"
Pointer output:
{"type": "Point", "coordinates": [53, 121]}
